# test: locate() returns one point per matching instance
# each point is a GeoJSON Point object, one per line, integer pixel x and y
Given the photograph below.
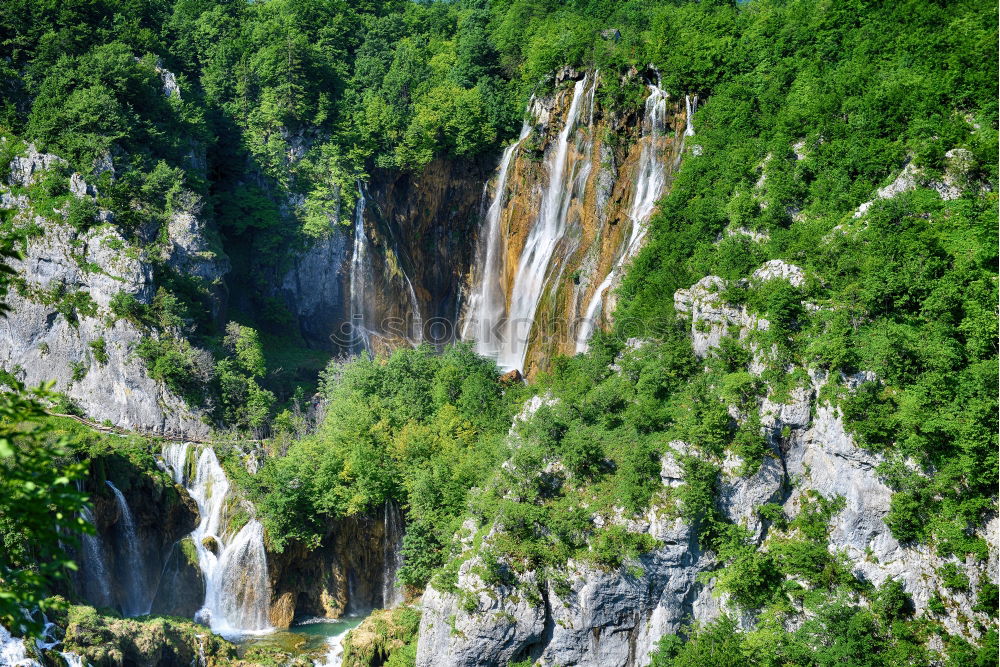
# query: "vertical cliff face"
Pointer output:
{"type": "Point", "coordinates": [521, 256]}
{"type": "Point", "coordinates": [352, 570]}
{"type": "Point", "coordinates": [393, 273]}
{"type": "Point", "coordinates": [567, 210]}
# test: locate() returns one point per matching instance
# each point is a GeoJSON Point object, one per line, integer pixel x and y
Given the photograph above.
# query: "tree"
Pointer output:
{"type": "Point", "coordinates": [39, 502]}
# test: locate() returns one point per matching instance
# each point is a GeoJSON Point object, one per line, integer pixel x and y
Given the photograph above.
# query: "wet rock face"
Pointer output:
{"type": "Point", "coordinates": [163, 514]}
{"type": "Point", "coordinates": [343, 575]}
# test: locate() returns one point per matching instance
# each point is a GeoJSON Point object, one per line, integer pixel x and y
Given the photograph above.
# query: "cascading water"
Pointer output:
{"type": "Point", "coordinates": [97, 585]}
{"type": "Point", "coordinates": [137, 599]}
{"type": "Point", "coordinates": [690, 106]}
{"type": "Point", "coordinates": [237, 590]}
{"type": "Point", "coordinates": [650, 181]}
{"type": "Point", "coordinates": [13, 651]}
{"type": "Point", "coordinates": [392, 554]}
{"type": "Point", "coordinates": [546, 233]}
{"type": "Point", "coordinates": [488, 302]}
{"type": "Point", "coordinates": [359, 276]}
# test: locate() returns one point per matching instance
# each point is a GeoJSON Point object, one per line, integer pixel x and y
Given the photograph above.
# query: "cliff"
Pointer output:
{"type": "Point", "coordinates": [587, 615]}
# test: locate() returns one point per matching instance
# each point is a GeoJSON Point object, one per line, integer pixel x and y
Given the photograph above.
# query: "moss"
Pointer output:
{"type": "Point", "coordinates": [385, 634]}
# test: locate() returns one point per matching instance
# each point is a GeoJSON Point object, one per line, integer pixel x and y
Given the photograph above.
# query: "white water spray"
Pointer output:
{"type": "Point", "coordinates": [690, 106]}
{"type": "Point", "coordinates": [96, 581]}
{"type": "Point", "coordinates": [546, 233]}
{"type": "Point", "coordinates": [488, 304]}
{"type": "Point", "coordinates": [237, 590]}
{"type": "Point", "coordinates": [137, 600]}
{"type": "Point", "coordinates": [359, 275]}
{"type": "Point", "coordinates": [392, 554]}
{"type": "Point", "coordinates": [650, 181]}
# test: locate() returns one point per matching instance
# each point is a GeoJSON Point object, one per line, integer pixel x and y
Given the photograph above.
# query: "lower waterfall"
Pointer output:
{"type": "Point", "coordinates": [95, 569]}
{"type": "Point", "coordinates": [233, 562]}
{"type": "Point", "coordinates": [392, 554]}
{"type": "Point", "coordinates": [137, 598]}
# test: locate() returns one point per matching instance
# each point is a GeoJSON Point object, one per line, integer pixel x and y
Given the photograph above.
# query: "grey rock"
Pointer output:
{"type": "Point", "coordinates": [315, 289]}
{"type": "Point", "coordinates": [190, 251]}
{"type": "Point", "coordinates": [41, 344]}
{"type": "Point", "coordinates": [24, 171]}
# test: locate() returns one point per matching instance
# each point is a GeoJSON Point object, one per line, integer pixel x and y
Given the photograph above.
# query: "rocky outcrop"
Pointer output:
{"type": "Point", "coordinates": [103, 641]}
{"type": "Point", "coordinates": [65, 322]}
{"type": "Point", "coordinates": [614, 618]}
{"type": "Point", "coordinates": [959, 162]}
{"type": "Point", "coordinates": [344, 575]}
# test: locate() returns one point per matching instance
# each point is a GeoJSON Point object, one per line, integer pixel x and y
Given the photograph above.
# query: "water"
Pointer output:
{"type": "Point", "coordinates": [392, 554]}
{"type": "Point", "coordinates": [359, 276]}
{"type": "Point", "coordinates": [690, 106]}
{"type": "Point", "coordinates": [545, 235]}
{"type": "Point", "coordinates": [488, 303]}
{"type": "Point", "coordinates": [317, 639]}
{"type": "Point", "coordinates": [237, 590]}
{"type": "Point", "coordinates": [650, 182]}
{"type": "Point", "coordinates": [13, 651]}
{"type": "Point", "coordinates": [72, 659]}
{"type": "Point", "coordinates": [335, 652]}
{"type": "Point", "coordinates": [137, 600]}
{"type": "Point", "coordinates": [97, 585]}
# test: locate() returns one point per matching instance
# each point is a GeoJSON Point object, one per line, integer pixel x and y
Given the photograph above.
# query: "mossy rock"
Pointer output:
{"type": "Point", "coordinates": [108, 641]}
{"type": "Point", "coordinates": [385, 634]}
{"type": "Point", "coordinates": [211, 544]}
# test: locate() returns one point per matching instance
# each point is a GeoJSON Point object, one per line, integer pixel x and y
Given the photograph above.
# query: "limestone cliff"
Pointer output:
{"type": "Point", "coordinates": [566, 212]}
{"type": "Point", "coordinates": [73, 285]}
{"type": "Point", "coordinates": [613, 618]}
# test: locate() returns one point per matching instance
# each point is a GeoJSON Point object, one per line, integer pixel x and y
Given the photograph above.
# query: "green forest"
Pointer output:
{"type": "Point", "coordinates": [808, 108]}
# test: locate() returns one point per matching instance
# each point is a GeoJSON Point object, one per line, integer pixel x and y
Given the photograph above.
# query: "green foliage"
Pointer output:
{"type": "Point", "coordinates": [39, 506]}
{"type": "Point", "coordinates": [419, 428]}
{"type": "Point", "coordinates": [176, 363]}
{"type": "Point", "coordinates": [99, 350]}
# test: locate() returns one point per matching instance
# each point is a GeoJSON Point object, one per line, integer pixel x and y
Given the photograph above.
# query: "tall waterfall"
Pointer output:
{"type": "Point", "coordinates": [95, 570]}
{"type": "Point", "coordinates": [488, 303]}
{"type": "Point", "coordinates": [690, 106]}
{"type": "Point", "coordinates": [137, 598]}
{"type": "Point", "coordinates": [359, 276]}
{"type": "Point", "coordinates": [392, 554]}
{"type": "Point", "coordinates": [650, 180]}
{"type": "Point", "coordinates": [234, 566]}
{"type": "Point", "coordinates": [546, 233]}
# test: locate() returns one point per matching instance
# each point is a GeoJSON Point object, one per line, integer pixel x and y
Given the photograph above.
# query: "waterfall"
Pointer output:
{"type": "Point", "coordinates": [137, 598]}
{"type": "Point", "coordinates": [359, 275]}
{"type": "Point", "coordinates": [97, 585]}
{"type": "Point", "coordinates": [488, 302]}
{"type": "Point", "coordinates": [650, 181]}
{"type": "Point", "coordinates": [418, 321]}
{"type": "Point", "coordinates": [13, 651]}
{"type": "Point", "coordinates": [237, 590]}
{"type": "Point", "coordinates": [690, 106]}
{"type": "Point", "coordinates": [72, 659]}
{"type": "Point", "coordinates": [545, 234]}
{"type": "Point", "coordinates": [392, 554]}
